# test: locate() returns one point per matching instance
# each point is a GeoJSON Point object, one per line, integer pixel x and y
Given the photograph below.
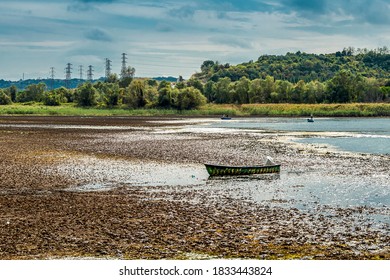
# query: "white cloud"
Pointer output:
{"type": "Point", "coordinates": [175, 37]}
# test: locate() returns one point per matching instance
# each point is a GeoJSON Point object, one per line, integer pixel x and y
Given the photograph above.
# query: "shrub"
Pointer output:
{"type": "Point", "coordinates": [86, 95]}
{"type": "Point", "coordinates": [52, 99]}
{"type": "Point", "coordinates": [190, 98]}
{"type": "Point", "coordinates": [4, 98]}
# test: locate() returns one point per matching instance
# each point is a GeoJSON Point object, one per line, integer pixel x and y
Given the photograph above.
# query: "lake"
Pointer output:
{"type": "Point", "coordinates": [362, 135]}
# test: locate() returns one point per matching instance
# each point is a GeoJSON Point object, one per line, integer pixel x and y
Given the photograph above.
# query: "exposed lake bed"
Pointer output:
{"type": "Point", "coordinates": [141, 191]}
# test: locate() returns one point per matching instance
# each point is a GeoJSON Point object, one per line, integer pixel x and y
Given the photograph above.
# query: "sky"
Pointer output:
{"type": "Point", "coordinates": [172, 37]}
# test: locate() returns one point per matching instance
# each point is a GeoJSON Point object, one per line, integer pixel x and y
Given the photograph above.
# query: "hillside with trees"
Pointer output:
{"type": "Point", "coordinates": [347, 76]}
{"type": "Point", "coordinates": [294, 67]}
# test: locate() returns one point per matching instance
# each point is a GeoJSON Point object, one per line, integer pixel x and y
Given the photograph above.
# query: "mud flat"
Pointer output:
{"type": "Point", "coordinates": [136, 188]}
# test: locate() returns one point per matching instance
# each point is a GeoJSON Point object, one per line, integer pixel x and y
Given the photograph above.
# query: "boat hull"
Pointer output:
{"type": "Point", "coordinates": [219, 170]}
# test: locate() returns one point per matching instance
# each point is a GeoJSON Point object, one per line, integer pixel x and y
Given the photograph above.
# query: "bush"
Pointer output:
{"type": "Point", "coordinates": [67, 95]}
{"type": "Point", "coordinates": [52, 99]}
{"type": "Point", "coordinates": [190, 98]}
{"type": "Point", "coordinates": [166, 97]}
{"type": "Point", "coordinates": [86, 95]}
{"type": "Point", "coordinates": [134, 95]}
{"type": "Point", "coordinates": [4, 99]}
{"type": "Point", "coordinates": [33, 92]}
{"type": "Point", "coordinates": [110, 93]}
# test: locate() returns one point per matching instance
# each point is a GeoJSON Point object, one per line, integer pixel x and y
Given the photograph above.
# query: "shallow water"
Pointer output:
{"type": "Point", "coordinates": [364, 135]}
{"type": "Point", "coordinates": [292, 189]}
{"type": "Point", "coordinates": [109, 173]}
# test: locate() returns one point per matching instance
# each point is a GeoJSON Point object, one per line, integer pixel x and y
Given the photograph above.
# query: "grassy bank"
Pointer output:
{"type": "Point", "coordinates": [72, 110]}
{"type": "Point", "coordinates": [284, 110]}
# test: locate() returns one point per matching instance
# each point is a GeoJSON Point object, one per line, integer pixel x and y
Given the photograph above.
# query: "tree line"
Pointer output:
{"type": "Point", "coordinates": [128, 93]}
{"type": "Point", "coordinates": [354, 76]}
{"type": "Point", "coordinates": [344, 87]}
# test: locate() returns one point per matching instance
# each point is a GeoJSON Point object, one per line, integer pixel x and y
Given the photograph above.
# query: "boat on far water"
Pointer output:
{"type": "Point", "coordinates": [311, 119]}
{"type": "Point", "coordinates": [226, 117]}
{"type": "Point", "coordinates": [223, 170]}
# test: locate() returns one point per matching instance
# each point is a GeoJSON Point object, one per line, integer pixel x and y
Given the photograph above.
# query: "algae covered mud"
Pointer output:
{"type": "Point", "coordinates": [129, 188]}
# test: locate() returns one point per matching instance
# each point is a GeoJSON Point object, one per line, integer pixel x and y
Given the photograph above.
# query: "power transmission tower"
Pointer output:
{"type": "Point", "coordinates": [108, 68]}
{"type": "Point", "coordinates": [68, 76]}
{"type": "Point", "coordinates": [124, 70]}
{"type": "Point", "coordinates": [90, 73]}
{"type": "Point", "coordinates": [52, 72]}
{"type": "Point", "coordinates": [81, 71]}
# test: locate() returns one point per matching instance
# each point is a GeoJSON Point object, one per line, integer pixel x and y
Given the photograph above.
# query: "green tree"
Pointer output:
{"type": "Point", "coordinates": [86, 95]}
{"type": "Point", "coordinates": [209, 91]}
{"type": "Point", "coordinates": [152, 83]}
{"type": "Point", "coordinates": [167, 97]}
{"type": "Point", "coordinates": [127, 77]}
{"type": "Point", "coordinates": [4, 98]}
{"type": "Point", "coordinates": [274, 97]}
{"type": "Point", "coordinates": [111, 93]}
{"type": "Point", "coordinates": [33, 92]}
{"type": "Point", "coordinates": [190, 98]}
{"type": "Point", "coordinates": [134, 94]}
{"type": "Point", "coordinates": [385, 90]}
{"type": "Point", "coordinates": [284, 89]}
{"type": "Point", "coordinates": [207, 65]}
{"type": "Point", "coordinates": [13, 90]}
{"type": "Point", "coordinates": [299, 92]}
{"type": "Point", "coordinates": [52, 98]}
{"type": "Point", "coordinates": [67, 94]}
{"type": "Point", "coordinates": [345, 87]}
{"type": "Point", "coordinates": [371, 91]}
{"type": "Point", "coordinates": [268, 86]}
{"type": "Point", "coordinates": [242, 90]}
{"type": "Point", "coordinates": [196, 84]}
{"type": "Point", "coordinates": [151, 95]}
{"type": "Point", "coordinates": [222, 90]}
{"type": "Point", "coordinates": [163, 84]}
{"type": "Point", "coordinates": [256, 92]}
{"type": "Point", "coordinates": [112, 78]}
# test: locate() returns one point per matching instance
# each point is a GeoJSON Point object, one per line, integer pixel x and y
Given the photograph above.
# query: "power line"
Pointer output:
{"type": "Point", "coordinates": [81, 71]}
{"type": "Point", "coordinates": [123, 69]}
{"type": "Point", "coordinates": [90, 73]}
{"type": "Point", "coordinates": [52, 72]}
{"type": "Point", "coordinates": [68, 76]}
{"type": "Point", "coordinates": [108, 68]}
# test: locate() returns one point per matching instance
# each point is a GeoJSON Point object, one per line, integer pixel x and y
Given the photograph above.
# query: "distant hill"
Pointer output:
{"type": "Point", "coordinates": [57, 83]}
{"type": "Point", "coordinates": [303, 66]}
{"type": "Point", "coordinates": [168, 79]}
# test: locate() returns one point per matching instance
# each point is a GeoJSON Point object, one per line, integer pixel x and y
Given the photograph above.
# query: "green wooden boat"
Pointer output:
{"type": "Point", "coordinates": [220, 170]}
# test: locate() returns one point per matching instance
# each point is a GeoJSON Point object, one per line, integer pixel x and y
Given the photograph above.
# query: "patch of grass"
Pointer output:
{"type": "Point", "coordinates": [280, 110]}
{"type": "Point", "coordinates": [319, 110]}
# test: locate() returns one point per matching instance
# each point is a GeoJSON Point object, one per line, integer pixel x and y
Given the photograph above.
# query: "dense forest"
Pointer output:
{"type": "Point", "coordinates": [347, 76]}
{"type": "Point", "coordinates": [294, 67]}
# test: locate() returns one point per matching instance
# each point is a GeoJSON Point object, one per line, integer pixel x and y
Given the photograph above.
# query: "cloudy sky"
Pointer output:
{"type": "Point", "coordinates": [172, 37]}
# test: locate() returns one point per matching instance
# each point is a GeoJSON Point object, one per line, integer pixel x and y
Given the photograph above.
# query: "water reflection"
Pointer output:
{"type": "Point", "coordinates": [245, 178]}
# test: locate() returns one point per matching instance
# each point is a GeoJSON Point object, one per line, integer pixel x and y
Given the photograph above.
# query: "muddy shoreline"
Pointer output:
{"type": "Point", "coordinates": [43, 217]}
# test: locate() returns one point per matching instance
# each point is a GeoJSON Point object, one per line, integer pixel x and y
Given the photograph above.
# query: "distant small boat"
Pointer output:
{"type": "Point", "coordinates": [222, 170]}
{"type": "Point", "coordinates": [226, 117]}
{"type": "Point", "coordinates": [311, 119]}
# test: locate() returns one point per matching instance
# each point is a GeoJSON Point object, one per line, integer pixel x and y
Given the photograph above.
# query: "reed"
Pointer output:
{"type": "Point", "coordinates": [277, 110]}
{"type": "Point", "coordinates": [72, 110]}
{"type": "Point", "coordinates": [319, 110]}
